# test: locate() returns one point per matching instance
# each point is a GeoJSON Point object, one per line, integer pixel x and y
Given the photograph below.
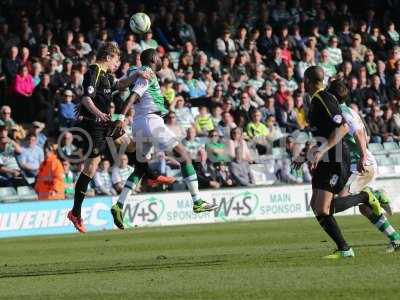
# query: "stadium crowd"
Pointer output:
{"type": "Point", "coordinates": [231, 76]}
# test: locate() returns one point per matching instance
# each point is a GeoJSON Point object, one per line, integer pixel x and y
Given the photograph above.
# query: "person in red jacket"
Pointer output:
{"type": "Point", "coordinates": [50, 178]}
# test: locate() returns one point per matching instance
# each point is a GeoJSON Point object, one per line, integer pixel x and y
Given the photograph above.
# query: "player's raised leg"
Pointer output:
{"type": "Point", "coordinates": [190, 179]}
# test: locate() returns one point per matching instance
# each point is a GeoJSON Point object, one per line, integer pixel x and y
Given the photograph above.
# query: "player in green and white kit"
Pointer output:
{"type": "Point", "coordinates": [149, 130]}
{"type": "Point", "coordinates": [364, 166]}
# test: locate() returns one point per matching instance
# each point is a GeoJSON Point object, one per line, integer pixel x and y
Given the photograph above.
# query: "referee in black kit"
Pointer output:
{"type": "Point", "coordinates": [330, 161]}
{"type": "Point", "coordinates": [95, 124]}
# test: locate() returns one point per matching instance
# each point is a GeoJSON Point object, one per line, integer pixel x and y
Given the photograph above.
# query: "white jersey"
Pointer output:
{"type": "Point", "coordinates": [151, 99]}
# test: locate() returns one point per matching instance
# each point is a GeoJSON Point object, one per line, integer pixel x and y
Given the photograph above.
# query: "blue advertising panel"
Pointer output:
{"type": "Point", "coordinates": [50, 217]}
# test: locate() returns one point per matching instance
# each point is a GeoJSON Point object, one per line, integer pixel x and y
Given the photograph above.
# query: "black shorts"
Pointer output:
{"type": "Point", "coordinates": [332, 176]}
{"type": "Point", "coordinates": [92, 138]}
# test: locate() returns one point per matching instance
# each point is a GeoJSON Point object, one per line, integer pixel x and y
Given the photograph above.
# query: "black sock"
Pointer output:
{"type": "Point", "coordinates": [343, 203]}
{"type": "Point", "coordinates": [80, 190]}
{"type": "Point", "coordinates": [328, 223]}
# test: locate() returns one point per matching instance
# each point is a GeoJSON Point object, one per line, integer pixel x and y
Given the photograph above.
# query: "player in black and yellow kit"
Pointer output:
{"type": "Point", "coordinates": [330, 161]}
{"type": "Point", "coordinates": [98, 85]}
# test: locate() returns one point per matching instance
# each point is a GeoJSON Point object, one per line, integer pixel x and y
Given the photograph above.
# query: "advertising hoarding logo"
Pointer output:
{"type": "Point", "coordinates": [149, 210]}
{"type": "Point", "coordinates": [241, 205]}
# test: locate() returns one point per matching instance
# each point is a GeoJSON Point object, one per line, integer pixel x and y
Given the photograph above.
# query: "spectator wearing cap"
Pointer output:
{"type": "Point", "coordinates": [63, 79]}
{"type": "Point", "coordinates": [5, 117]}
{"type": "Point", "coordinates": [334, 52]}
{"type": "Point", "coordinates": [10, 172]}
{"type": "Point", "coordinates": [195, 88]}
{"type": "Point", "coordinates": [148, 42]}
{"type": "Point", "coordinates": [50, 178]}
{"type": "Point", "coordinates": [37, 129]}
{"type": "Point", "coordinates": [192, 143]}
{"type": "Point", "coordinates": [166, 72]}
{"type": "Point", "coordinates": [224, 44]}
{"type": "Point", "coordinates": [11, 64]}
{"type": "Point", "coordinates": [66, 110]}
{"type": "Point", "coordinates": [31, 157]}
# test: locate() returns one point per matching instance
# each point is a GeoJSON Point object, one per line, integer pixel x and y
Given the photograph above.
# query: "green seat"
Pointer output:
{"type": "Point", "coordinates": [391, 147]}
{"type": "Point", "coordinates": [26, 193]}
{"type": "Point", "coordinates": [376, 148]}
{"type": "Point", "coordinates": [8, 195]}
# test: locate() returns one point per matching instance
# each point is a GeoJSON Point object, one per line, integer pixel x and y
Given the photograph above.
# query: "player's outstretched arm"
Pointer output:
{"type": "Point", "coordinates": [119, 125]}
{"type": "Point", "coordinates": [361, 140]}
{"type": "Point", "coordinates": [124, 82]}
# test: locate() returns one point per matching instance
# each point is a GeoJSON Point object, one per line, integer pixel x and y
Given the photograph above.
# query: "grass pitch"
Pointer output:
{"type": "Point", "coordinates": [252, 260]}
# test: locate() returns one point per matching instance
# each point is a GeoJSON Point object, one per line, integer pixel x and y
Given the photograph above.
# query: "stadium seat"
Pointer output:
{"type": "Point", "coordinates": [259, 173]}
{"type": "Point", "coordinates": [26, 193]}
{"type": "Point", "coordinates": [279, 153]}
{"type": "Point", "coordinates": [391, 147]}
{"type": "Point", "coordinates": [396, 162]}
{"type": "Point", "coordinates": [203, 140]}
{"type": "Point", "coordinates": [300, 137]}
{"type": "Point", "coordinates": [8, 195]}
{"type": "Point", "coordinates": [376, 148]}
{"type": "Point", "coordinates": [386, 166]}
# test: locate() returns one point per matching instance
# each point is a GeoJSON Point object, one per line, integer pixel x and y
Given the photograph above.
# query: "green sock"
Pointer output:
{"type": "Point", "coordinates": [384, 226]}
{"type": "Point", "coordinates": [190, 179]}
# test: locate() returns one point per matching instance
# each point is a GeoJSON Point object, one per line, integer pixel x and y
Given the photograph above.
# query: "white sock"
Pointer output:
{"type": "Point", "coordinates": [125, 192]}
{"type": "Point", "coordinates": [193, 186]}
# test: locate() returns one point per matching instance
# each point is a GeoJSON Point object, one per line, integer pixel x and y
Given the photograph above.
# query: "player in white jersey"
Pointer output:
{"type": "Point", "coordinates": [149, 130]}
{"type": "Point", "coordinates": [364, 167]}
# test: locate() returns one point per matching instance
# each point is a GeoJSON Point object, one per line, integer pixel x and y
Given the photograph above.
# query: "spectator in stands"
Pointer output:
{"type": "Point", "coordinates": [68, 149]}
{"type": "Point", "coordinates": [11, 64]}
{"type": "Point", "coordinates": [66, 110]}
{"type": "Point", "coordinates": [22, 88]}
{"type": "Point", "coordinates": [258, 132]}
{"type": "Point", "coordinates": [290, 174]}
{"type": "Point", "coordinates": [391, 130]}
{"type": "Point", "coordinates": [192, 143]}
{"type": "Point", "coordinates": [5, 117]}
{"type": "Point", "coordinates": [237, 141]}
{"type": "Point", "coordinates": [50, 177]}
{"type": "Point", "coordinates": [195, 88]}
{"type": "Point", "coordinates": [393, 90]}
{"type": "Point", "coordinates": [334, 53]}
{"type": "Point", "coordinates": [206, 174]}
{"type": "Point", "coordinates": [103, 181]}
{"type": "Point", "coordinates": [166, 72]}
{"type": "Point", "coordinates": [10, 172]}
{"type": "Point", "coordinates": [184, 116]}
{"type": "Point", "coordinates": [68, 180]}
{"type": "Point", "coordinates": [216, 149]}
{"type": "Point", "coordinates": [376, 124]}
{"type": "Point", "coordinates": [226, 124]}
{"type": "Point", "coordinates": [223, 175]}
{"type": "Point", "coordinates": [175, 127]}
{"type": "Point", "coordinates": [370, 63]}
{"type": "Point", "coordinates": [37, 129]}
{"type": "Point", "coordinates": [326, 64]}
{"type": "Point", "coordinates": [121, 173]}
{"type": "Point", "coordinates": [148, 41]}
{"type": "Point", "coordinates": [203, 122]}
{"type": "Point", "coordinates": [31, 157]}
{"type": "Point", "coordinates": [376, 91]}
{"type": "Point", "coordinates": [224, 44]}
{"type": "Point", "coordinates": [240, 171]}
{"type": "Point", "coordinates": [287, 117]}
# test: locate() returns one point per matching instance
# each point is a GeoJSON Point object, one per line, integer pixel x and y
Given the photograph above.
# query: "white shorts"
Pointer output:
{"type": "Point", "coordinates": [357, 182]}
{"type": "Point", "coordinates": [150, 131]}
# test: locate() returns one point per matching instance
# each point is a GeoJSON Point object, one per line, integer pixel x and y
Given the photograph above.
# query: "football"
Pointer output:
{"type": "Point", "coordinates": [140, 23]}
